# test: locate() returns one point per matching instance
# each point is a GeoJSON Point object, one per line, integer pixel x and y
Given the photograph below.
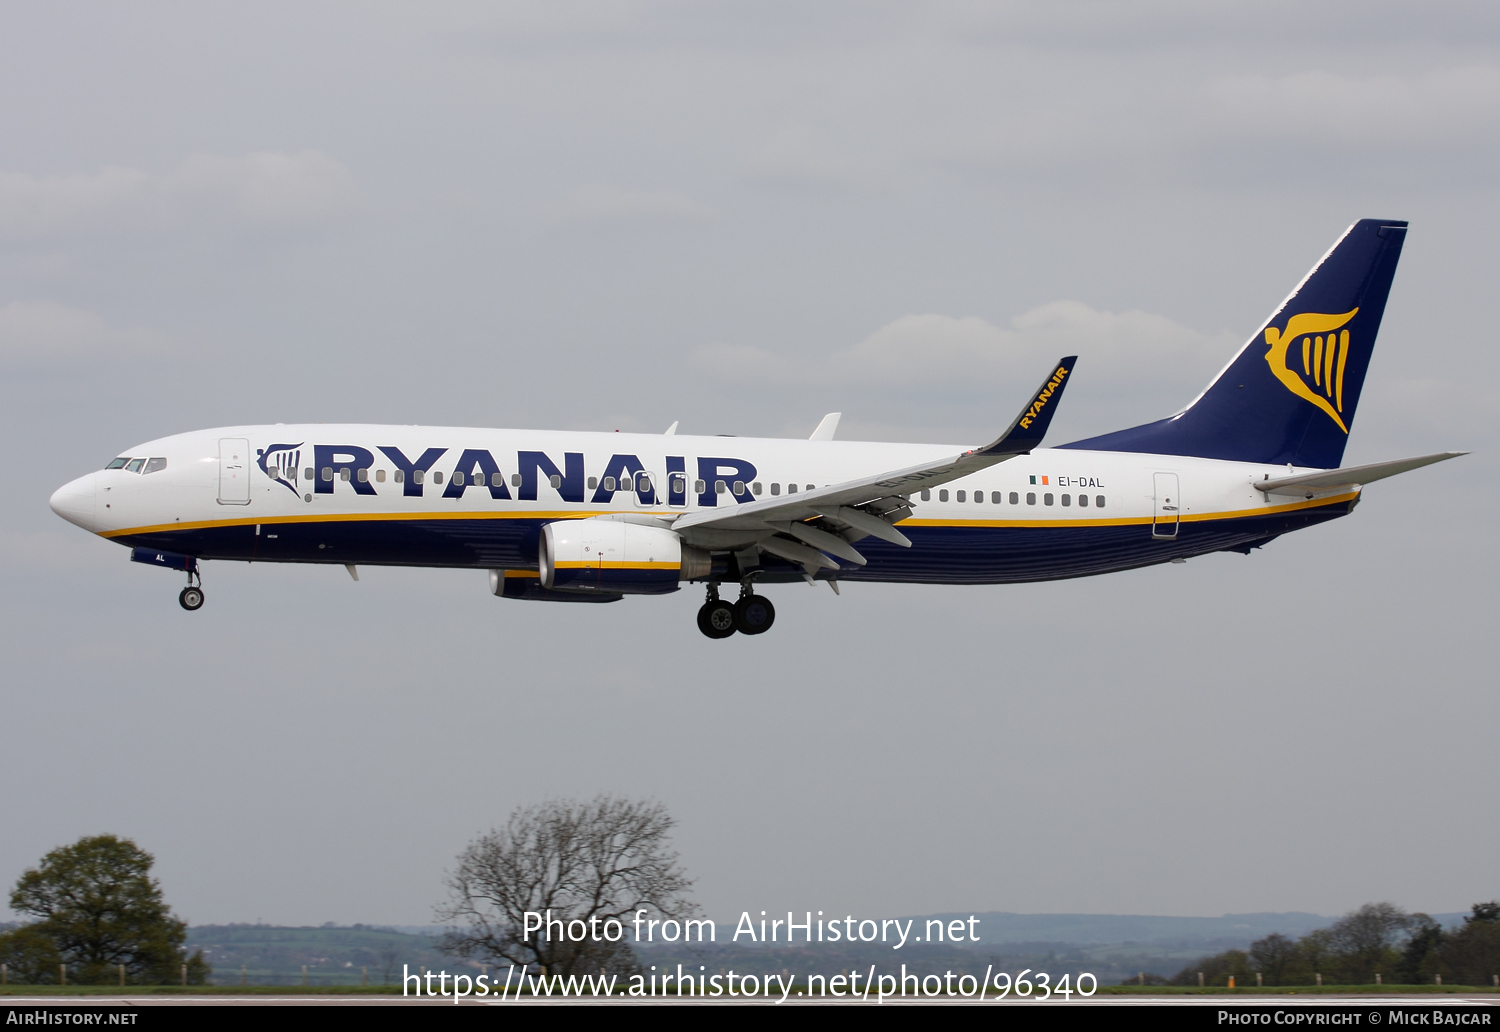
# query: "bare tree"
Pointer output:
{"type": "Point", "coordinates": [596, 862]}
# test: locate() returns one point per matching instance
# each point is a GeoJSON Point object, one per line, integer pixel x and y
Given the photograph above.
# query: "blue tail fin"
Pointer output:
{"type": "Point", "coordinates": [1289, 396]}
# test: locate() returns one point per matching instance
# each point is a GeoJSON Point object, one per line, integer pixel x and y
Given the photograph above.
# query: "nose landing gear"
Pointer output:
{"type": "Point", "coordinates": [191, 597]}
{"type": "Point", "coordinates": [751, 614]}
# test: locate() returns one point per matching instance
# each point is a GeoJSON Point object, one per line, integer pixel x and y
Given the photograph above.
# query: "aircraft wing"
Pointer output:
{"type": "Point", "coordinates": [868, 505]}
{"type": "Point", "coordinates": [1354, 476]}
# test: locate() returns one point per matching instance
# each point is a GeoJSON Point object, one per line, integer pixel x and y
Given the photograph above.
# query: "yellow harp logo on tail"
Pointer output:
{"type": "Point", "coordinates": [1324, 353]}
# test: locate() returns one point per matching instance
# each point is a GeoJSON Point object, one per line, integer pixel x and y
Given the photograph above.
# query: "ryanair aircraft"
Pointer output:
{"type": "Point", "coordinates": [593, 517]}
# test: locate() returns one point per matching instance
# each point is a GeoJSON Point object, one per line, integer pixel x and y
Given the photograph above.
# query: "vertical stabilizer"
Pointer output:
{"type": "Point", "coordinates": [1289, 395]}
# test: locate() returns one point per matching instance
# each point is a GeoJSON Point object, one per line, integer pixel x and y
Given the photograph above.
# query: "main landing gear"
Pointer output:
{"type": "Point", "coordinates": [751, 614]}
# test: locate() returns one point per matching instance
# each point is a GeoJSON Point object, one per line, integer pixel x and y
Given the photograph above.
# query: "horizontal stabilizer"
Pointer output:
{"type": "Point", "coordinates": [1354, 476]}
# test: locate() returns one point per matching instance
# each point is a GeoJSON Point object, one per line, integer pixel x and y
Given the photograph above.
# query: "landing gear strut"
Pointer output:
{"type": "Point", "coordinates": [751, 614]}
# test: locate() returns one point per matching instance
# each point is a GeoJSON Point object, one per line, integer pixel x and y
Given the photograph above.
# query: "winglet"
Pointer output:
{"type": "Point", "coordinates": [1028, 429]}
{"type": "Point", "coordinates": [826, 428]}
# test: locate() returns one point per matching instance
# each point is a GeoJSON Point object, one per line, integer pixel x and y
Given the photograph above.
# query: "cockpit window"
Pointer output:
{"type": "Point", "coordinates": [155, 465]}
{"type": "Point", "coordinates": [116, 463]}
{"type": "Point", "coordinates": [134, 465]}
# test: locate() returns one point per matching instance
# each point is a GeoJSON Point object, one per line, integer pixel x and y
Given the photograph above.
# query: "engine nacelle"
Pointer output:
{"type": "Point", "coordinates": [616, 556]}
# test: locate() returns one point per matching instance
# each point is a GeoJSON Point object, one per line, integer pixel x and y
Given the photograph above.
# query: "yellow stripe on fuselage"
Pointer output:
{"type": "Point", "coordinates": [350, 517]}
{"type": "Point", "coordinates": [607, 565]}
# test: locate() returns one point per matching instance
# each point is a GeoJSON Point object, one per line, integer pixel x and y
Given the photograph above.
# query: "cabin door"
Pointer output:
{"type": "Point", "coordinates": [1167, 507]}
{"type": "Point", "coordinates": [234, 471]}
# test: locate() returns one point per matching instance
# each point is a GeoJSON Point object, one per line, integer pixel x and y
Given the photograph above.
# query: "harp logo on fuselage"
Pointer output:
{"type": "Point", "coordinates": [1322, 346]}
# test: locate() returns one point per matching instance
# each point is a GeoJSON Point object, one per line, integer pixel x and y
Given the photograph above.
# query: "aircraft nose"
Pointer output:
{"type": "Point", "coordinates": [74, 502]}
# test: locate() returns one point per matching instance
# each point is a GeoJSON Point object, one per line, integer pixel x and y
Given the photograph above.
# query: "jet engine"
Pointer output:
{"type": "Point", "coordinates": [617, 556]}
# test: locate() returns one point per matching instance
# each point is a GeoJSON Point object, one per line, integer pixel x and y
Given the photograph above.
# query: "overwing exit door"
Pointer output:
{"type": "Point", "coordinates": [234, 471]}
{"type": "Point", "coordinates": [1167, 507]}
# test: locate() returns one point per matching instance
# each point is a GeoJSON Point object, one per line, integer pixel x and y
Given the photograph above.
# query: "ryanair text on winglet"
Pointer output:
{"type": "Point", "coordinates": [1044, 397]}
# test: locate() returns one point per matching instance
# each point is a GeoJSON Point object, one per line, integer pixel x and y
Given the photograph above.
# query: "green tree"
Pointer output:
{"type": "Point", "coordinates": [1471, 955]}
{"type": "Point", "coordinates": [97, 907]}
{"type": "Point", "coordinates": [1275, 957]}
{"type": "Point", "coordinates": [1364, 941]}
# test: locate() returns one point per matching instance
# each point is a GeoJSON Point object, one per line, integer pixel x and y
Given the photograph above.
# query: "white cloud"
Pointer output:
{"type": "Point", "coordinates": [607, 204]}
{"type": "Point", "coordinates": [952, 351]}
{"type": "Point", "coordinates": [263, 188]}
{"type": "Point", "coordinates": [269, 187]}
{"type": "Point", "coordinates": [47, 333]}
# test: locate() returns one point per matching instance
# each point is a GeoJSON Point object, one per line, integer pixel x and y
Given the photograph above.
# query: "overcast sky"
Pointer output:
{"type": "Point", "coordinates": [742, 216]}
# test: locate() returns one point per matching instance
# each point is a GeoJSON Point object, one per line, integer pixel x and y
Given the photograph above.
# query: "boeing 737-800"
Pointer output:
{"type": "Point", "coordinates": [593, 517]}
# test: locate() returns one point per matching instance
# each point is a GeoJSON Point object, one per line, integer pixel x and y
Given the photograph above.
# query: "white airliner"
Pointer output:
{"type": "Point", "coordinates": [592, 517]}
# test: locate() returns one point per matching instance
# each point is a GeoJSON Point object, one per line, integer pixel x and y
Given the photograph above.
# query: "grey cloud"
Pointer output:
{"type": "Point", "coordinates": [603, 204]}
{"type": "Point", "coordinates": [262, 188]}
{"type": "Point", "coordinates": [45, 333]}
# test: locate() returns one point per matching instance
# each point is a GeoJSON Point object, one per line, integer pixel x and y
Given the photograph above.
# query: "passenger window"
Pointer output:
{"type": "Point", "coordinates": [739, 488]}
{"type": "Point", "coordinates": [399, 476]}
{"type": "Point", "coordinates": [155, 465]}
{"type": "Point", "coordinates": [1015, 499]}
{"type": "Point", "coordinates": [996, 497]}
{"type": "Point", "coordinates": [1067, 499]}
{"type": "Point", "coordinates": [609, 483]}
{"type": "Point", "coordinates": [363, 475]}
{"type": "Point", "coordinates": [626, 485]}
{"type": "Point", "coordinates": [943, 495]}
{"type": "Point", "coordinates": [1030, 497]}
{"type": "Point", "coordinates": [344, 474]}
{"type": "Point", "coordinates": [134, 465]}
{"type": "Point", "coordinates": [720, 487]}
{"type": "Point", "coordinates": [810, 487]}
{"type": "Point", "coordinates": [437, 476]}
{"type": "Point", "coordinates": [1083, 501]}
{"type": "Point", "coordinates": [776, 489]}
{"type": "Point", "coordinates": [963, 496]}
{"type": "Point", "coordinates": [699, 487]}
{"type": "Point", "coordinates": [1047, 499]}
{"type": "Point", "coordinates": [926, 495]}
{"type": "Point", "coordinates": [117, 463]}
{"type": "Point", "coordinates": [380, 476]}
{"type": "Point", "coordinates": [643, 484]}
{"type": "Point", "coordinates": [417, 475]}
{"type": "Point", "coordinates": [1098, 501]}
{"type": "Point", "coordinates": [594, 482]}
{"type": "Point", "coordinates": [497, 479]}
{"type": "Point", "coordinates": [555, 480]}
{"type": "Point", "coordinates": [755, 487]}
{"type": "Point", "coordinates": [328, 473]}
{"type": "Point", "coordinates": [458, 476]}
{"type": "Point", "coordinates": [791, 489]}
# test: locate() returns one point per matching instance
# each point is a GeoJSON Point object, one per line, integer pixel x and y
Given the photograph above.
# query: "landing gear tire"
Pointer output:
{"type": "Point", "coordinates": [191, 599]}
{"type": "Point", "coordinates": [716, 619]}
{"type": "Point", "coordinates": [754, 614]}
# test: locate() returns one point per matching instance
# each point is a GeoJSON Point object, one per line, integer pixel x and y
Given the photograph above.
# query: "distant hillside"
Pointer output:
{"type": "Point", "coordinates": [1111, 946]}
{"type": "Point", "coordinates": [333, 955]}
